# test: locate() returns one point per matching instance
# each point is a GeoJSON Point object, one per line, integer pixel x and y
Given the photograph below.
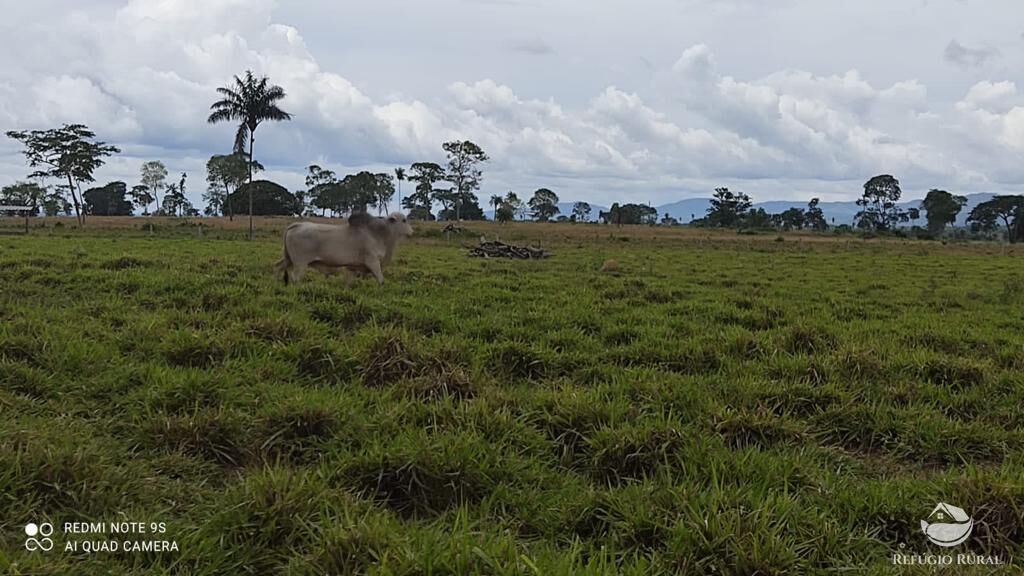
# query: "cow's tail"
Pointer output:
{"type": "Point", "coordinates": [285, 263]}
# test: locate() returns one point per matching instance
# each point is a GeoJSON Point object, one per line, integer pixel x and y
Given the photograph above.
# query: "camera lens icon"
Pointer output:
{"type": "Point", "coordinates": [45, 530]}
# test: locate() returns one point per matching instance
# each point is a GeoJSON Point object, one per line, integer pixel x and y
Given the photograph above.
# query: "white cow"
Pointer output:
{"type": "Point", "coordinates": [363, 244]}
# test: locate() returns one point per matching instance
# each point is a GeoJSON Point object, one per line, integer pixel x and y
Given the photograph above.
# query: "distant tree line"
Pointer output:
{"type": "Point", "coordinates": [71, 154]}
{"type": "Point", "coordinates": [734, 210]}
{"type": "Point", "coordinates": [880, 212]}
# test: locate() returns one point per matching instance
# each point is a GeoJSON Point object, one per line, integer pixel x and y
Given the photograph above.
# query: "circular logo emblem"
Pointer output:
{"type": "Point", "coordinates": [948, 526]}
{"type": "Point", "coordinates": [32, 530]}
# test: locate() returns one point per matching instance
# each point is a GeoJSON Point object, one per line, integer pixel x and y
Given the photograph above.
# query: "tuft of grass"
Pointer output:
{"type": "Point", "coordinates": [957, 374]}
{"type": "Point", "coordinates": [808, 340]}
{"type": "Point", "coordinates": [214, 435]}
{"type": "Point", "coordinates": [323, 362]}
{"type": "Point", "coordinates": [616, 456]}
{"type": "Point", "coordinates": [294, 433]}
{"type": "Point", "coordinates": [386, 361]}
{"type": "Point", "coordinates": [190, 349]}
{"type": "Point", "coordinates": [441, 380]}
{"type": "Point", "coordinates": [745, 430]}
{"type": "Point", "coordinates": [423, 483]}
{"type": "Point", "coordinates": [517, 361]}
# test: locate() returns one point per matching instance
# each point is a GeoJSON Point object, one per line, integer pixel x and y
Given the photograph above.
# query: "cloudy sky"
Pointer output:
{"type": "Point", "coordinates": [639, 100]}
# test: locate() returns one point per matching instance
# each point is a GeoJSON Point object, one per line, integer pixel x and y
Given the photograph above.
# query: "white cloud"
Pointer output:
{"type": "Point", "coordinates": [142, 73]}
{"type": "Point", "coordinates": [696, 63]}
{"type": "Point", "coordinates": [998, 97]}
{"type": "Point", "coordinates": [65, 99]}
{"type": "Point", "coordinates": [991, 115]}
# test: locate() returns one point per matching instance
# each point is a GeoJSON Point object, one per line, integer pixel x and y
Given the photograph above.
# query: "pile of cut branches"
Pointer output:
{"type": "Point", "coordinates": [496, 249]}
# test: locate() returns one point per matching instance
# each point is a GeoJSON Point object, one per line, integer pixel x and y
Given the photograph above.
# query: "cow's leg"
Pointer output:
{"type": "Point", "coordinates": [297, 272]}
{"type": "Point", "coordinates": [373, 263]}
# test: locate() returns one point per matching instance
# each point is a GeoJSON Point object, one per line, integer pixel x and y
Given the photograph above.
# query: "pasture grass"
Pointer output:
{"type": "Point", "coordinates": [718, 405]}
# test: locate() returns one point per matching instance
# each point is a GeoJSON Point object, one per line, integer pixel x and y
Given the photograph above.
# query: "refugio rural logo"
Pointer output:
{"type": "Point", "coordinates": [947, 526]}
{"type": "Point", "coordinates": [950, 525]}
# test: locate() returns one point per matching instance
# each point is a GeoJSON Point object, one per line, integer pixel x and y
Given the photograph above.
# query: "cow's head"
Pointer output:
{"type": "Point", "coordinates": [400, 225]}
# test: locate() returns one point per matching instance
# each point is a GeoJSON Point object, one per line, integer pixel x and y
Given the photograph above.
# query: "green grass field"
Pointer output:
{"type": "Point", "coordinates": [720, 406]}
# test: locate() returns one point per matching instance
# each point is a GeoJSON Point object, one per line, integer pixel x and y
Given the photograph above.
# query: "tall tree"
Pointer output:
{"type": "Point", "coordinates": [426, 175]}
{"type": "Point", "coordinates": [879, 208]}
{"type": "Point", "coordinates": [181, 188]}
{"type": "Point", "coordinates": [250, 102]}
{"type": "Point", "coordinates": [400, 177]}
{"type": "Point", "coordinates": [792, 219]}
{"type": "Point", "coordinates": [384, 191]}
{"type": "Point", "coordinates": [544, 205]}
{"type": "Point", "coordinates": [471, 209]}
{"type": "Point", "coordinates": [176, 203]}
{"type": "Point", "coordinates": [322, 187]}
{"type": "Point", "coordinates": [24, 194]}
{"type": "Point", "coordinates": [504, 213]}
{"type": "Point", "coordinates": [270, 199]}
{"type": "Point", "coordinates": [446, 197]}
{"type": "Point", "coordinates": [172, 201]}
{"type": "Point", "coordinates": [464, 160]}
{"type": "Point", "coordinates": [728, 208]}
{"type": "Point", "coordinates": [224, 174]}
{"type": "Point", "coordinates": [141, 197]}
{"type": "Point", "coordinates": [941, 208]}
{"type": "Point", "coordinates": [581, 211]}
{"type": "Point", "coordinates": [814, 218]}
{"type": "Point", "coordinates": [514, 203]}
{"type": "Point", "coordinates": [612, 216]}
{"type": "Point", "coordinates": [154, 178]}
{"type": "Point", "coordinates": [1009, 209]}
{"type": "Point", "coordinates": [302, 203]}
{"type": "Point", "coordinates": [495, 201]}
{"type": "Point", "coordinates": [360, 191]}
{"type": "Point", "coordinates": [67, 153]}
{"type": "Point", "coordinates": [216, 201]}
{"type": "Point", "coordinates": [107, 200]}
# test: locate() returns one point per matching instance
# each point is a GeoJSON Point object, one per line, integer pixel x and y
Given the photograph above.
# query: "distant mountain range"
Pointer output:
{"type": "Point", "coordinates": [835, 212]}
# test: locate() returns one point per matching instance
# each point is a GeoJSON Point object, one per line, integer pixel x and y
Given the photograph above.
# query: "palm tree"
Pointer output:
{"type": "Point", "coordinates": [495, 202]}
{"type": "Point", "coordinates": [400, 176]}
{"type": "Point", "coordinates": [250, 102]}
